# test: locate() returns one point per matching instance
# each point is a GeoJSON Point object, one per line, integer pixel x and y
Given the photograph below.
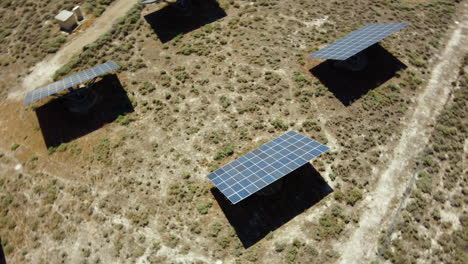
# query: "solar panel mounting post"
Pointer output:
{"type": "Point", "coordinates": [91, 83]}
{"type": "Point", "coordinates": [354, 63]}
{"type": "Point", "coordinates": [81, 100]}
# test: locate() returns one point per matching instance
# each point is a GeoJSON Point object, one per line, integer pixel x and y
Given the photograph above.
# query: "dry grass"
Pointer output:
{"type": "Point", "coordinates": [28, 33]}
{"type": "Point", "coordinates": [434, 219]}
{"type": "Point", "coordinates": [139, 191]}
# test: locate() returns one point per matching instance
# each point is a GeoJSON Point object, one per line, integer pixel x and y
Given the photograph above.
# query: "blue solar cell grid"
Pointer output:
{"type": "Point", "coordinates": [357, 41]}
{"type": "Point", "coordinates": [265, 165]}
{"type": "Point", "coordinates": [70, 81]}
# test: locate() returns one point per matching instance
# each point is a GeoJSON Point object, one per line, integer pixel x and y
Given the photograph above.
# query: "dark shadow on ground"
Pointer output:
{"type": "Point", "coordinates": [349, 86]}
{"type": "Point", "coordinates": [2, 255]}
{"type": "Point", "coordinates": [59, 125]}
{"type": "Point", "coordinates": [167, 22]}
{"type": "Point", "coordinates": [70, 30]}
{"type": "Point", "coordinates": [256, 216]}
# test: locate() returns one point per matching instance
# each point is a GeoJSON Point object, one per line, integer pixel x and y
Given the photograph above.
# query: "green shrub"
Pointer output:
{"type": "Point", "coordinates": [14, 146]}
{"type": "Point", "coordinates": [353, 196]}
{"type": "Point", "coordinates": [228, 150]}
{"type": "Point", "coordinates": [292, 254]}
{"type": "Point", "coordinates": [215, 229]}
{"type": "Point", "coordinates": [417, 62]}
{"type": "Point", "coordinates": [279, 247]}
{"type": "Point", "coordinates": [67, 68]}
{"type": "Point", "coordinates": [58, 235]}
{"type": "Point", "coordinates": [300, 79]}
{"type": "Point", "coordinates": [225, 103]}
{"type": "Point", "coordinates": [7, 200]}
{"type": "Point", "coordinates": [11, 224]}
{"type": "Point", "coordinates": [124, 120]}
{"type": "Point", "coordinates": [311, 251]}
{"type": "Point", "coordinates": [195, 228]}
{"type": "Point", "coordinates": [182, 76]}
{"type": "Point", "coordinates": [51, 150]}
{"type": "Point", "coordinates": [297, 243]}
{"type": "Point", "coordinates": [75, 149]}
{"type": "Point", "coordinates": [139, 251]}
{"type": "Point", "coordinates": [102, 150]}
{"type": "Point", "coordinates": [51, 195]}
{"type": "Point", "coordinates": [428, 162]}
{"type": "Point", "coordinates": [436, 214]}
{"type": "Point", "coordinates": [424, 182]}
{"type": "Point", "coordinates": [97, 12]}
{"type": "Point", "coordinates": [173, 241]}
{"type": "Point", "coordinates": [310, 125]}
{"type": "Point", "coordinates": [330, 226]}
{"type": "Point", "coordinates": [279, 125]}
{"type": "Point", "coordinates": [8, 249]}
{"type": "Point", "coordinates": [146, 88]}
{"type": "Point", "coordinates": [62, 147]}
{"type": "Point", "coordinates": [224, 242]}
{"type": "Point", "coordinates": [203, 208]}
{"type": "Point", "coordinates": [54, 44]}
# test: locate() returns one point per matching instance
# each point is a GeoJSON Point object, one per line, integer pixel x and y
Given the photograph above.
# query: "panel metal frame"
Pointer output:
{"type": "Point", "coordinates": [265, 165]}
{"type": "Point", "coordinates": [357, 41]}
{"type": "Point", "coordinates": [70, 81]}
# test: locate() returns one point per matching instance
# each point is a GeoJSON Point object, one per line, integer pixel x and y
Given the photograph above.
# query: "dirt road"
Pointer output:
{"type": "Point", "coordinates": [44, 71]}
{"type": "Point", "coordinates": [362, 245]}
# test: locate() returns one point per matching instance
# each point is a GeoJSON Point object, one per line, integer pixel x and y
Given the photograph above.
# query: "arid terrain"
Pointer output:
{"type": "Point", "coordinates": [127, 182]}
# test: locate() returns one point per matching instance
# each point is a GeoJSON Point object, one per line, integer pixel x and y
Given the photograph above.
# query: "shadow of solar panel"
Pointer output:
{"type": "Point", "coordinates": [257, 216]}
{"type": "Point", "coordinates": [349, 86]}
{"type": "Point", "coordinates": [58, 125]}
{"type": "Point", "coordinates": [167, 22]}
{"type": "Point", "coordinates": [357, 41]}
{"type": "Point", "coordinates": [265, 165]}
{"type": "Point", "coordinates": [2, 255]}
{"type": "Point", "coordinates": [70, 81]}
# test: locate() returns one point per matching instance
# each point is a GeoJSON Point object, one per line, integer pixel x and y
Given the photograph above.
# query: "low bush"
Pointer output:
{"type": "Point", "coordinates": [203, 208]}
{"type": "Point", "coordinates": [146, 88]}
{"type": "Point", "coordinates": [279, 125]}
{"type": "Point", "coordinates": [353, 196]}
{"type": "Point", "coordinates": [279, 247]}
{"type": "Point", "coordinates": [14, 146]}
{"type": "Point", "coordinates": [54, 44]}
{"type": "Point", "coordinates": [228, 150]}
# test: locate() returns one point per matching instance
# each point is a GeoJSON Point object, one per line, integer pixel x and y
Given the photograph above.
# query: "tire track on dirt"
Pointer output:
{"type": "Point", "coordinates": [362, 245]}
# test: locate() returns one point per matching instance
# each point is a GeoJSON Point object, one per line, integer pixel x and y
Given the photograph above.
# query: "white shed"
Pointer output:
{"type": "Point", "coordinates": [66, 20]}
{"type": "Point", "coordinates": [78, 13]}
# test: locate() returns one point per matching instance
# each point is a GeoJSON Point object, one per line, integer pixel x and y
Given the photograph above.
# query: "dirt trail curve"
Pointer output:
{"type": "Point", "coordinates": [362, 244]}
{"type": "Point", "coordinates": [44, 70]}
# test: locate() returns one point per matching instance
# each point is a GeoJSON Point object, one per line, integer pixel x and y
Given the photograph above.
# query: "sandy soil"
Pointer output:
{"type": "Point", "coordinates": [114, 191]}
{"type": "Point", "coordinates": [44, 71]}
{"type": "Point", "coordinates": [362, 245]}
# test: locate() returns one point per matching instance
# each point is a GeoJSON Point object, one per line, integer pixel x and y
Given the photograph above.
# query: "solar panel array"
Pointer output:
{"type": "Point", "coordinates": [265, 165]}
{"type": "Point", "coordinates": [357, 41]}
{"type": "Point", "coordinates": [70, 81]}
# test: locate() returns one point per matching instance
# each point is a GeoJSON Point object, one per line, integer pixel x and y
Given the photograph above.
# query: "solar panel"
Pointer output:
{"type": "Point", "coordinates": [357, 41]}
{"type": "Point", "coordinates": [145, 2]}
{"type": "Point", "coordinates": [265, 165]}
{"type": "Point", "coordinates": [70, 81]}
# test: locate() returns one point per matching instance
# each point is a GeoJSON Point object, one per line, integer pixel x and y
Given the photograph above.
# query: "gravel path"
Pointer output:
{"type": "Point", "coordinates": [362, 244]}
{"type": "Point", "coordinates": [43, 72]}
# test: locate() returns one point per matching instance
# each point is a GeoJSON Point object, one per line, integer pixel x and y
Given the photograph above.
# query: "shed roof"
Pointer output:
{"type": "Point", "coordinates": [64, 15]}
